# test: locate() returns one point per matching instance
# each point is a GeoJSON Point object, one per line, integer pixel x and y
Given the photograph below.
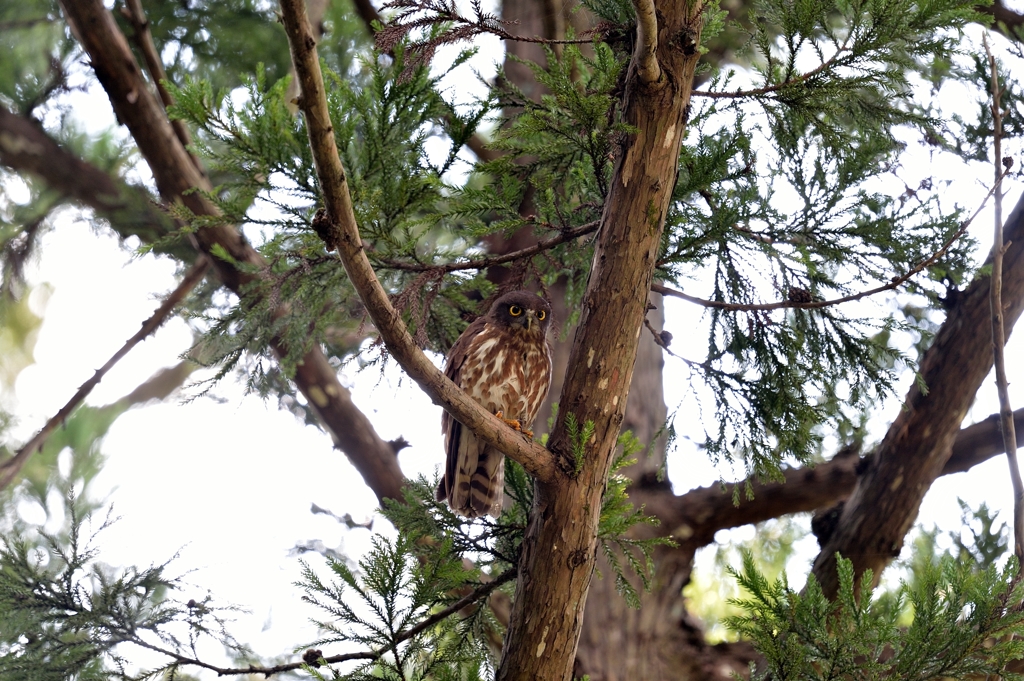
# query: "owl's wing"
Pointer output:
{"type": "Point", "coordinates": [468, 482]}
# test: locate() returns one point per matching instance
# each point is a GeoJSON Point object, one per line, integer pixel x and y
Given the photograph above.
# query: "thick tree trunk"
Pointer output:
{"type": "Point", "coordinates": [884, 505]}
{"type": "Point", "coordinates": [559, 550]}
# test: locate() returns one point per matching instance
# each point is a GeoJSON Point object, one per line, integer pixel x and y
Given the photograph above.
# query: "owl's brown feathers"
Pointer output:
{"type": "Point", "coordinates": [503, 361]}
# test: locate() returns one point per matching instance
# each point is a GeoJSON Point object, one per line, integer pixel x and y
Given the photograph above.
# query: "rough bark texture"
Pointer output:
{"type": "Point", "coordinates": [885, 503]}
{"type": "Point", "coordinates": [174, 173]}
{"type": "Point", "coordinates": [558, 553]}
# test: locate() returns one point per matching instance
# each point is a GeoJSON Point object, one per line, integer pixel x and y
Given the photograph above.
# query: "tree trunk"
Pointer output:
{"type": "Point", "coordinates": [559, 550]}
{"type": "Point", "coordinates": [884, 505]}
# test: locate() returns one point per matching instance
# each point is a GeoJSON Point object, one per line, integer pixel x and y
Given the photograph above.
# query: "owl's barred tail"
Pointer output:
{"type": "Point", "coordinates": [487, 486]}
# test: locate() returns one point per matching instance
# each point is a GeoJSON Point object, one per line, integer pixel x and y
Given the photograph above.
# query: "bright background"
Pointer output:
{"type": "Point", "coordinates": [228, 480]}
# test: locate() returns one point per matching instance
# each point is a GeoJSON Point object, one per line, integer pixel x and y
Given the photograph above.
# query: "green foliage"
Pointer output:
{"type": "Point", "coordinates": [779, 198]}
{"type": "Point", "coordinates": [67, 615]}
{"type": "Point", "coordinates": [989, 541]}
{"type": "Point", "coordinates": [34, 53]}
{"type": "Point", "coordinates": [578, 439]}
{"type": "Point", "coordinates": [965, 623]}
{"type": "Point", "coordinates": [380, 605]}
{"type": "Point", "coordinates": [711, 592]}
{"type": "Point", "coordinates": [618, 517]}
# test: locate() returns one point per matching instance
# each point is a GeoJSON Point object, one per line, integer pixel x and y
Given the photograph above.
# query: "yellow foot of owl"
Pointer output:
{"type": "Point", "coordinates": [514, 424]}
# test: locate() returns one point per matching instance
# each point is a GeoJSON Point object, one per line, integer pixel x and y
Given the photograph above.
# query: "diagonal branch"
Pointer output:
{"type": "Point", "coordinates": [337, 227]}
{"type": "Point", "coordinates": [132, 11]}
{"type": "Point", "coordinates": [9, 468]}
{"type": "Point", "coordinates": [884, 505]}
{"type": "Point", "coordinates": [176, 178]}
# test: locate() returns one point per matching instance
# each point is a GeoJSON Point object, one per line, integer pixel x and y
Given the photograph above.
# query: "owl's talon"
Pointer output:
{"type": "Point", "coordinates": [511, 423]}
{"type": "Point", "coordinates": [528, 433]}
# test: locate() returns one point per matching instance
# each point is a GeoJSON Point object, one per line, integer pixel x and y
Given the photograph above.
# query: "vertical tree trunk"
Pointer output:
{"type": "Point", "coordinates": [559, 550]}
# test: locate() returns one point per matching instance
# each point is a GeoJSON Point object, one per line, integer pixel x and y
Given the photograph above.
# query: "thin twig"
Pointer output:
{"type": "Point", "coordinates": [645, 53]}
{"type": "Point", "coordinates": [477, 594]}
{"type": "Point", "coordinates": [490, 261]}
{"type": "Point", "coordinates": [998, 330]}
{"type": "Point", "coordinates": [771, 89]}
{"type": "Point", "coordinates": [9, 468]}
{"type": "Point", "coordinates": [132, 12]}
{"type": "Point", "coordinates": [894, 283]}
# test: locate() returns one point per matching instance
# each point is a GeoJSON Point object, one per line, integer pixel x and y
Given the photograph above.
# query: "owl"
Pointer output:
{"type": "Point", "coordinates": [503, 360]}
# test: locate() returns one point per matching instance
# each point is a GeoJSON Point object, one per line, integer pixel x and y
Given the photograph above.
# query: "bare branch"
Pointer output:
{"type": "Point", "coordinates": [9, 468]}
{"type": "Point", "coordinates": [996, 306]}
{"type": "Point", "coordinates": [894, 283]}
{"type": "Point", "coordinates": [490, 261]}
{"type": "Point", "coordinates": [336, 225]}
{"type": "Point", "coordinates": [645, 53]}
{"type": "Point", "coordinates": [472, 597]}
{"type": "Point", "coordinates": [694, 517]}
{"type": "Point", "coordinates": [132, 11]}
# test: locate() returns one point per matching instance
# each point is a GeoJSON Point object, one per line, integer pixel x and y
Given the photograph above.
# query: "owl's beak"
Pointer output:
{"type": "Point", "coordinates": [531, 319]}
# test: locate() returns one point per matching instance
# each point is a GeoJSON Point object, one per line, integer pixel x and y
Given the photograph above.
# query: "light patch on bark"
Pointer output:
{"type": "Point", "coordinates": [543, 642]}
{"type": "Point", "coordinates": [590, 358]}
{"type": "Point", "coordinates": [331, 389]}
{"type": "Point", "coordinates": [16, 144]}
{"type": "Point", "coordinates": [896, 483]}
{"type": "Point", "coordinates": [318, 396]}
{"type": "Point", "coordinates": [603, 384]}
{"type": "Point", "coordinates": [669, 136]}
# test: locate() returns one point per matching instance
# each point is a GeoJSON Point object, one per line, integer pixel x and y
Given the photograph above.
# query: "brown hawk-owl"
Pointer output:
{"type": "Point", "coordinates": [503, 361]}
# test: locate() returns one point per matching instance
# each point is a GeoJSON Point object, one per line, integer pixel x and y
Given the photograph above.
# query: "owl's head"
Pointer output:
{"type": "Point", "coordinates": [524, 311]}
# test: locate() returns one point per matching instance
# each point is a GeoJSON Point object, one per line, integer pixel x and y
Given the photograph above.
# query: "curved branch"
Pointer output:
{"type": "Point", "coordinates": [694, 517]}
{"type": "Point", "coordinates": [645, 53]}
{"type": "Point", "coordinates": [336, 225]}
{"type": "Point", "coordinates": [9, 468]}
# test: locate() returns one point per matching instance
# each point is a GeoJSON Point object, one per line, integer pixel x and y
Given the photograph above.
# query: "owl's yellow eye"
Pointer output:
{"type": "Point", "coordinates": [541, 314]}
{"type": "Point", "coordinates": [515, 310]}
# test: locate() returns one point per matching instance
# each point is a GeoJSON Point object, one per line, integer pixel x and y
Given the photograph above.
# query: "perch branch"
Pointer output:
{"type": "Point", "coordinates": [336, 224]}
{"type": "Point", "coordinates": [9, 468]}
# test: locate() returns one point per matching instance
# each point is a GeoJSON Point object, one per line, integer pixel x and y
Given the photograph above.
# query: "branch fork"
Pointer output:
{"type": "Point", "coordinates": [645, 54]}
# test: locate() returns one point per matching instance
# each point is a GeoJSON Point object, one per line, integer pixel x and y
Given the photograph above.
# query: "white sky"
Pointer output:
{"type": "Point", "coordinates": [230, 482]}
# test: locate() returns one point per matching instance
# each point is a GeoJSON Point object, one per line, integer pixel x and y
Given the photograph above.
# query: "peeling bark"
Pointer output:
{"type": "Point", "coordinates": [560, 541]}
